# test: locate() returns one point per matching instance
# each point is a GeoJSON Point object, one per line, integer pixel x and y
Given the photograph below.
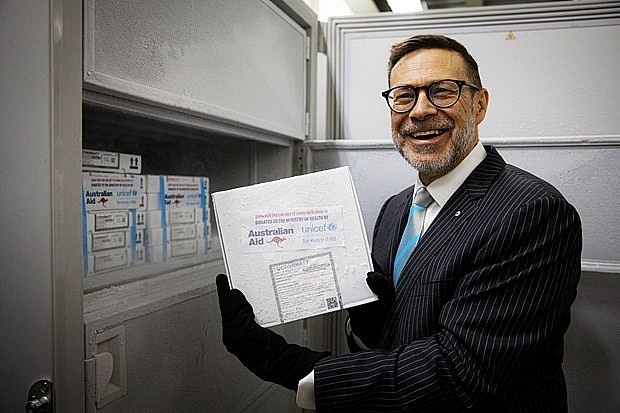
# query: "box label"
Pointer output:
{"type": "Point", "coordinates": [296, 280]}
{"type": "Point", "coordinates": [111, 259]}
{"type": "Point", "coordinates": [180, 248]}
{"type": "Point", "coordinates": [108, 240]}
{"type": "Point", "coordinates": [294, 229]}
{"type": "Point", "coordinates": [110, 191]}
{"type": "Point", "coordinates": [111, 220]}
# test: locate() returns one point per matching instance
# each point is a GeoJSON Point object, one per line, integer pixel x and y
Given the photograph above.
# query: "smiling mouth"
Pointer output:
{"type": "Point", "coordinates": [429, 134]}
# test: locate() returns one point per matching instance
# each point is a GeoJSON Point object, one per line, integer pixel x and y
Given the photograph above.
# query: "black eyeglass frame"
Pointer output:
{"type": "Point", "coordinates": [460, 84]}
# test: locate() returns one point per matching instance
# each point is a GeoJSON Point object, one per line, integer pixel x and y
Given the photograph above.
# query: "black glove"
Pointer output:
{"type": "Point", "coordinates": [262, 351]}
{"type": "Point", "coordinates": [367, 320]}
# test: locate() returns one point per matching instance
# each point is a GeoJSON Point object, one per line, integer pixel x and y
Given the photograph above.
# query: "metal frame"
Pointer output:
{"type": "Point", "coordinates": [66, 138]}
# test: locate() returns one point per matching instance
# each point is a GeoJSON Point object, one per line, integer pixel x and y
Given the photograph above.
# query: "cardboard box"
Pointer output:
{"type": "Point", "coordinates": [174, 250]}
{"type": "Point", "coordinates": [139, 256]}
{"type": "Point", "coordinates": [116, 162]}
{"type": "Point", "coordinates": [169, 191]}
{"type": "Point", "coordinates": [115, 219]}
{"type": "Point", "coordinates": [108, 260]}
{"type": "Point", "coordinates": [176, 183]}
{"type": "Point", "coordinates": [108, 220]}
{"type": "Point", "coordinates": [159, 218]}
{"type": "Point", "coordinates": [295, 247]}
{"type": "Point", "coordinates": [155, 236]}
{"type": "Point", "coordinates": [98, 241]}
{"type": "Point", "coordinates": [154, 254]}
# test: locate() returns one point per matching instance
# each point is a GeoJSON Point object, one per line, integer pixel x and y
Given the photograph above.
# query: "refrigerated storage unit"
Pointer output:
{"type": "Point", "coordinates": [246, 92]}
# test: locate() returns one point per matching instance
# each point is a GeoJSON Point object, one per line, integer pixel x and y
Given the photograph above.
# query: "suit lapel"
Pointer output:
{"type": "Point", "coordinates": [459, 208]}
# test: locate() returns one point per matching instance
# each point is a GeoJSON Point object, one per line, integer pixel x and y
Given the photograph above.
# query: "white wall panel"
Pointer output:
{"type": "Point", "coordinates": [586, 175]}
{"type": "Point", "coordinates": [550, 72]}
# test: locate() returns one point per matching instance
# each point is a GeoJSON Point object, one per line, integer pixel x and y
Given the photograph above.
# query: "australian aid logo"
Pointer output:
{"type": "Point", "coordinates": [99, 198]}
{"type": "Point", "coordinates": [275, 237]}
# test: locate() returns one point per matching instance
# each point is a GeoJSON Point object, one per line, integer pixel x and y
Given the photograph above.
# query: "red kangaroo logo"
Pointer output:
{"type": "Point", "coordinates": [103, 201]}
{"type": "Point", "coordinates": [176, 202]}
{"type": "Point", "coordinates": [278, 240]}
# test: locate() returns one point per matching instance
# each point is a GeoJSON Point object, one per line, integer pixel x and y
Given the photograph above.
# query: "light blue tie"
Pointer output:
{"type": "Point", "coordinates": [413, 230]}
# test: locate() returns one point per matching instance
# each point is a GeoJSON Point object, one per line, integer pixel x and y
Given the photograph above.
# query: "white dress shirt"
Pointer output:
{"type": "Point", "coordinates": [441, 190]}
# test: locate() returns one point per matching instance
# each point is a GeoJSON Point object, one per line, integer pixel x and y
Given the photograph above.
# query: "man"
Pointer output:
{"type": "Point", "coordinates": [479, 309]}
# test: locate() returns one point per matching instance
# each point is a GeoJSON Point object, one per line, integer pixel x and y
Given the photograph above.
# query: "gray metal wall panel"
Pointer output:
{"type": "Point", "coordinates": [236, 60]}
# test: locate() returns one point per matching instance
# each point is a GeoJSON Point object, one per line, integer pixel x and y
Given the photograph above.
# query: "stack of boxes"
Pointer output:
{"type": "Point", "coordinates": [177, 223]}
{"type": "Point", "coordinates": [130, 219]}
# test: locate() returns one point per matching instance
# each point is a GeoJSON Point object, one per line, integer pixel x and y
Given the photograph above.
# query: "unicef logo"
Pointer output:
{"type": "Point", "coordinates": [332, 227]}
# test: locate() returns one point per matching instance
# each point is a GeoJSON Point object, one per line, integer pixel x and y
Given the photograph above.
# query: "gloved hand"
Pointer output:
{"type": "Point", "coordinates": [367, 320]}
{"type": "Point", "coordinates": [262, 351]}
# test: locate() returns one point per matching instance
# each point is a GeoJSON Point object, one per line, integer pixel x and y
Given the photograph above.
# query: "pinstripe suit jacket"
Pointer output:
{"type": "Point", "coordinates": [481, 307]}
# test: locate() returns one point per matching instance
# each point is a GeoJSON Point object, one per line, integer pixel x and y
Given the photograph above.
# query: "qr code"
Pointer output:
{"type": "Point", "coordinates": [332, 302]}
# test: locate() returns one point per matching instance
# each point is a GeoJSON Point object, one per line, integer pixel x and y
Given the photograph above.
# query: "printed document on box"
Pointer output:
{"type": "Point", "coordinates": [295, 247]}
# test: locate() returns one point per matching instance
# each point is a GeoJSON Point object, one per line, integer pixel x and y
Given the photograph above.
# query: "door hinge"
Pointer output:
{"type": "Point", "coordinates": [300, 166]}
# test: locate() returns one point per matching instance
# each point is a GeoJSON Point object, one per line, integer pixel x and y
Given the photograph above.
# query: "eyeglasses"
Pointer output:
{"type": "Point", "coordinates": [442, 94]}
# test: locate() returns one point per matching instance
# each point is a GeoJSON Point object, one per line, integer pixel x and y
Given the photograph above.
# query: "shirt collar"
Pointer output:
{"type": "Point", "coordinates": [441, 189]}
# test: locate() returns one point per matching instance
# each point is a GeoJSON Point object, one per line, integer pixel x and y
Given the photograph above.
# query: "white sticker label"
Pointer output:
{"type": "Point", "coordinates": [306, 286]}
{"type": "Point", "coordinates": [183, 216]}
{"type": "Point", "coordinates": [296, 229]}
{"type": "Point", "coordinates": [180, 248]}
{"type": "Point", "coordinates": [108, 240]}
{"type": "Point", "coordinates": [111, 259]}
{"type": "Point", "coordinates": [111, 220]}
{"type": "Point", "coordinates": [182, 232]}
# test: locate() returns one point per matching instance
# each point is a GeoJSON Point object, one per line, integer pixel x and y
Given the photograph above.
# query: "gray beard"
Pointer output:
{"type": "Point", "coordinates": [459, 148]}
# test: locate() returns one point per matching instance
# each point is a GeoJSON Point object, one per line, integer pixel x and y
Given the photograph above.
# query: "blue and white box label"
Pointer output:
{"type": "Point", "coordinates": [102, 191]}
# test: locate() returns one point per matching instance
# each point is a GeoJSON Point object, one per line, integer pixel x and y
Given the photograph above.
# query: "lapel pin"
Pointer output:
{"type": "Point", "coordinates": [457, 213]}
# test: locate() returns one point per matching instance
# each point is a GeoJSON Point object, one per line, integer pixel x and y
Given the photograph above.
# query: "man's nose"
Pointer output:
{"type": "Point", "coordinates": [423, 107]}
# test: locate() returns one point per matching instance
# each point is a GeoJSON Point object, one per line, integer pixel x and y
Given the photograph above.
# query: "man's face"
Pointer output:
{"type": "Point", "coordinates": [434, 140]}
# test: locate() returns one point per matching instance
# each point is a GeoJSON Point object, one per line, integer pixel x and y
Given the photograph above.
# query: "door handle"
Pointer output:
{"type": "Point", "coordinates": [40, 397]}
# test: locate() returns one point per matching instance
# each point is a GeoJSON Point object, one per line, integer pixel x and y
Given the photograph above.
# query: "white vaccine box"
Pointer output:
{"type": "Point", "coordinates": [98, 221]}
{"type": "Point", "coordinates": [201, 231]}
{"type": "Point", "coordinates": [103, 191]}
{"type": "Point", "coordinates": [105, 240]}
{"type": "Point", "coordinates": [108, 220]}
{"type": "Point", "coordinates": [142, 201]}
{"type": "Point", "coordinates": [203, 246]}
{"type": "Point", "coordinates": [173, 250]}
{"type": "Point", "coordinates": [139, 237]}
{"type": "Point", "coordinates": [103, 161]}
{"type": "Point", "coordinates": [155, 219]}
{"type": "Point", "coordinates": [175, 200]}
{"type": "Point", "coordinates": [98, 241]}
{"type": "Point", "coordinates": [109, 260]}
{"type": "Point", "coordinates": [140, 219]}
{"type": "Point", "coordinates": [183, 248]}
{"type": "Point", "coordinates": [296, 247]}
{"type": "Point", "coordinates": [170, 191]}
{"type": "Point", "coordinates": [155, 236]}
{"type": "Point", "coordinates": [176, 183]}
{"type": "Point", "coordinates": [154, 253]}
{"type": "Point", "coordinates": [139, 257]}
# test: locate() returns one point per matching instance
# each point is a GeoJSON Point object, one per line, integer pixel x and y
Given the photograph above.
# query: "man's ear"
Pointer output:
{"type": "Point", "coordinates": [481, 104]}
